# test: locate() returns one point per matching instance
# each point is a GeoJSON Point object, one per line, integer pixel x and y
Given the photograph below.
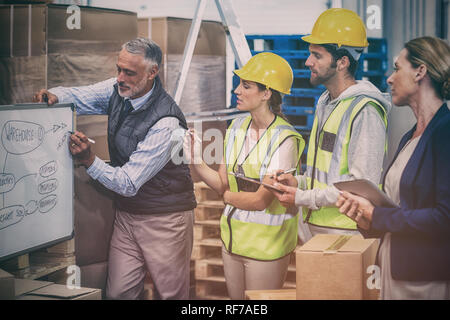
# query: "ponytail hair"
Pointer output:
{"type": "Point", "coordinates": [275, 101]}
{"type": "Point", "coordinates": [434, 53]}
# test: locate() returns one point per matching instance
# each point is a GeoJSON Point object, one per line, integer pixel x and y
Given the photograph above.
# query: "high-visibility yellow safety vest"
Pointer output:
{"type": "Point", "coordinates": [327, 158]}
{"type": "Point", "coordinates": [264, 235]}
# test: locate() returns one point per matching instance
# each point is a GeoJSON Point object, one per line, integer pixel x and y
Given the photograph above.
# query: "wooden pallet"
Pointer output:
{"type": "Point", "coordinates": [206, 229]}
{"type": "Point", "coordinates": [209, 210]}
{"type": "Point", "coordinates": [290, 281]}
{"type": "Point", "coordinates": [206, 268]}
{"type": "Point", "coordinates": [282, 294]}
{"type": "Point", "coordinates": [207, 248]}
{"type": "Point", "coordinates": [213, 288]}
{"type": "Point", "coordinates": [41, 263]}
{"type": "Point", "coordinates": [204, 193]}
{"type": "Point", "coordinates": [16, 263]}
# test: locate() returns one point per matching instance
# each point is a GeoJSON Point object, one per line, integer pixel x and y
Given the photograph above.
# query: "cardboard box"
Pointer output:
{"type": "Point", "coordinates": [39, 49]}
{"type": "Point", "coordinates": [43, 290]}
{"type": "Point", "coordinates": [334, 267]}
{"type": "Point", "coordinates": [205, 87]}
{"type": "Point", "coordinates": [6, 285]}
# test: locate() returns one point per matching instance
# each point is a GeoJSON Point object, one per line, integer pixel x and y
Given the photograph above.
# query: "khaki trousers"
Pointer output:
{"type": "Point", "coordinates": [160, 244]}
{"type": "Point", "coordinates": [248, 274]}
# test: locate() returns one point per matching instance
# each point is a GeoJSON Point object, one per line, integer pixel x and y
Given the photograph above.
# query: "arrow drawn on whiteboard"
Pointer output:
{"type": "Point", "coordinates": [57, 127]}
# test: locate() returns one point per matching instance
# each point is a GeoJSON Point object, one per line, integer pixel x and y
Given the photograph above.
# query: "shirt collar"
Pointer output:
{"type": "Point", "coordinates": [139, 102]}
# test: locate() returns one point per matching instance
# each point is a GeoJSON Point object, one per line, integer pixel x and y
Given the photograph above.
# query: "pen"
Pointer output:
{"type": "Point", "coordinates": [89, 139]}
{"type": "Point", "coordinates": [284, 172]}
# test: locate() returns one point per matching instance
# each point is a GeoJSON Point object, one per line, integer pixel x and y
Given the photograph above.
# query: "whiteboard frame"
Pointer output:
{"type": "Point", "coordinates": [27, 106]}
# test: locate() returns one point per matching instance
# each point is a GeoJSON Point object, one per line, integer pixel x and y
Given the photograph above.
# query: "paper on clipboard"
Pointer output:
{"type": "Point", "coordinates": [241, 176]}
{"type": "Point", "coordinates": [368, 190]}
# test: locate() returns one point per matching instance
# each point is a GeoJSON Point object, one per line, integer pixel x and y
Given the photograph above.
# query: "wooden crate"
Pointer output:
{"type": "Point", "coordinates": [282, 294]}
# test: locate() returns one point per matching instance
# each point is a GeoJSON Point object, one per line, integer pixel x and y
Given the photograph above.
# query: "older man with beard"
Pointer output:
{"type": "Point", "coordinates": [154, 197]}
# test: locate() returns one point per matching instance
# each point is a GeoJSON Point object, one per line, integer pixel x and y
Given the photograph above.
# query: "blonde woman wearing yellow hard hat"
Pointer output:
{"type": "Point", "coordinates": [258, 234]}
{"type": "Point", "coordinates": [348, 137]}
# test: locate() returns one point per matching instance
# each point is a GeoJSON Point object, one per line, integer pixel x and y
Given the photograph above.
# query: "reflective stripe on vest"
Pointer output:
{"type": "Point", "coordinates": [331, 161]}
{"type": "Point", "coordinates": [264, 235]}
{"type": "Point", "coordinates": [260, 217]}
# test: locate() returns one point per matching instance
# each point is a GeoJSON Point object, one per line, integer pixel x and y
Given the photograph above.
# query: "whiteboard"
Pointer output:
{"type": "Point", "coordinates": [36, 177]}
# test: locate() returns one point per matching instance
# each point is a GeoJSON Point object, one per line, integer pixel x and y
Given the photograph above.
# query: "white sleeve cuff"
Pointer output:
{"type": "Point", "coordinates": [96, 168]}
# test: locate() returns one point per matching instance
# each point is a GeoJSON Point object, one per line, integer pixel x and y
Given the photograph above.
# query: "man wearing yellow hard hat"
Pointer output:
{"type": "Point", "coordinates": [348, 138]}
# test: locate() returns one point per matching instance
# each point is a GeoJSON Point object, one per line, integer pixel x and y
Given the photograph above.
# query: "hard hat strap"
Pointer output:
{"type": "Point", "coordinates": [355, 52]}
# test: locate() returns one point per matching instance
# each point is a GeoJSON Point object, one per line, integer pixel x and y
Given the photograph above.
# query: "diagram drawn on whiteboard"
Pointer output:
{"type": "Point", "coordinates": [35, 179]}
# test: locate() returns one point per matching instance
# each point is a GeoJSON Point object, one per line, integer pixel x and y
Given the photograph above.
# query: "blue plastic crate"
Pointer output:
{"type": "Point", "coordinates": [372, 64]}
{"type": "Point", "coordinates": [300, 117]}
{"type": "Point", "coordinates": [372, 74]}
{"type": "Point", "coordinates": [373, 55]}
{"type": "Point", "coordinates": [276, 42]}
{"type": "Point", "coordinates": [299, 73]}
{"type": "Point", "coordinates": [378, 45]}
{"type": "Point", "coordinates": [379, 82]}
{"type": "Point", "coordinates": [307, 92]}
{"type": "Point", "coordinates": [293, 110]}
{"type": "Point", "coordinates": [300, 101]}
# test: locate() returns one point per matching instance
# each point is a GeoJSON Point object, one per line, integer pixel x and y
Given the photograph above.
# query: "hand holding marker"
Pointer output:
{"type": "Point", "coordinates": [89, 139]}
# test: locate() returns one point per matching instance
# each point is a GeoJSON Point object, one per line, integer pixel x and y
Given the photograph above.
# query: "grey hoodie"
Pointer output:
{"type": "Point", "coordinates": [366, 147]}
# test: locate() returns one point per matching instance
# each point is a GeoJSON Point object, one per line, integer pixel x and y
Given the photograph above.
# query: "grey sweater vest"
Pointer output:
{"type": "Point", "coordinates": [171, 189]}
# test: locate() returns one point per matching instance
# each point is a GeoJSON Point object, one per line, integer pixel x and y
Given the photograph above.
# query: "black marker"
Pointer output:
{"type": "Point", "coordinates": [89, 139]}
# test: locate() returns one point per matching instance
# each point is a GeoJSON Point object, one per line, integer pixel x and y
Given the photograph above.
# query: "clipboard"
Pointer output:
{"type": "Point", "coordinates": [368, 190]}
{"type": "Point", "coordinates": [241, 176]}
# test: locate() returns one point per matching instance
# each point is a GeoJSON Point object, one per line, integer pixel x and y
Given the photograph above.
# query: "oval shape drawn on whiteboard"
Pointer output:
{"type": "Point", "coordinates": [20, 137]}
{"type": "Point", "coordinates": [10, 215]}
{"type": "Point", "coordinates": [7, 182]}
{"type": "Point", "coordinates": [48, 203]}
{"type": "Point", "coordinates": [48, 186]}
{"type": "Point", "coordinates": [31, 207]}
{"type": "Point", "coordinates": [48, 169]}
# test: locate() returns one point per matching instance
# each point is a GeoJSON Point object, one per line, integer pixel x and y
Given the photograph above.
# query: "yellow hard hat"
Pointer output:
{"type": "Point", "coordinates": [269, 69]}
{"type": "Point", "coordinates": [340, 26]}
